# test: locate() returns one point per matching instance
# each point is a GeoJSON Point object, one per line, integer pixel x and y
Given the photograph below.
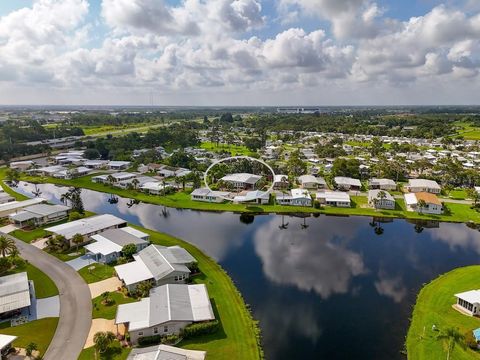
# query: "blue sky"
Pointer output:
{"type": "Point", "coordinates": [240, 52]}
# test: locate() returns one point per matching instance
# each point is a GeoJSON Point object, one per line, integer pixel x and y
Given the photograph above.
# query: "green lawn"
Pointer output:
{"type": "Point", "coordinates": [468, 131]}
{"type": "Point", "coordinates": [100, 272]}
{"type": "Point", "coordinates": [434, 306]}
{"type": "Point", "coordinates": [115, 352]}
{"type": "Point", "coordinates": [7, 189]}
{"type": "Point", "coordinates": [39, 331]}
{"type": "Point", "coordinates": [108, 312]}
{"type": "Point", "coordinates": [44, 286]}
{"type": "Point", "coordinates": [234, 150]}
{"type": "Point", "coordinates": [30, 235]}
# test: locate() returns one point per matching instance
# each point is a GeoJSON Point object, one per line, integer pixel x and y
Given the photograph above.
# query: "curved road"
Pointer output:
{"type": "Point", "coordinates": [75, 303]}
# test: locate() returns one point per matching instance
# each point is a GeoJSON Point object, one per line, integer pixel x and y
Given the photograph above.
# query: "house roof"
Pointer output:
{"type": "Point", "coordinates": [155, 262]}
{"type": "Point", "coordinates": [15, 205]}
{"type": "Point", "coordinates": [280, 178]}
{"type": "Point", "coordinates": [311, 179]}
{"type": "Point", "coordinates": [87, 225]}
{"type": "Point", "coordinates": [14, 292]}
{"type": "Point", "coordinates": [373, 194]}
{"type": "Point", "coordinates": [46, 209]}
{"type": "Point", "coordinates": [471, 296]}
{"type": "Point", "coordinates": [135, 232]}
{"type": "Point", "coordinates": [428, 198]}
{"type": "Point", "coordinates": [6, 340]}
{"type": "Point", "coordinates": [242, 177]}
{"type": "Point", "coordinates": [171, 302]}
{"type": "Point", "coordinates": [165, 352]}
{"type": "Point", "coordinates": [381, 182]}
{"type": "Point", "coordinates": [252, 195]}
{"type": "Point", "coordinates": [341, 180]}
{"type": "Point", "coordinates": [423, 183]}
{"type": "Point", "coordinates": [334, 196]}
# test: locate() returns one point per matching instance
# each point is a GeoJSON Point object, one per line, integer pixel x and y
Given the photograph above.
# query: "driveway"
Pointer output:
{"type": "Point", "coordinates": [99, 287]}
{"type": "Point", "coordinates": [80, 262]}
{"type": "Point", "coordinates": [75, 303]}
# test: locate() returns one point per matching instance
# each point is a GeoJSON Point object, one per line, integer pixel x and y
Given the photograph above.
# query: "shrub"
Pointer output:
{"type": "Point", "coordinates": [470, 341]}
{"type": "Point", "coordinates": [316, 204]}
{"type": "Point", "coordinates": [170, 339]}
{"type": "Point", "coordinates": [74, 215]}
{"type": "Point", "coordinates": [200, 329]}
{"type": "Point", "coordinates": [149, 340]}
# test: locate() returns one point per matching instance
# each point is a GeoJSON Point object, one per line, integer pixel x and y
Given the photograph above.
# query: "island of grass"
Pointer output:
{"type": "Point", "coordinates": [182, 200]}
{"type": "Point", "coordinates": [434, 307]}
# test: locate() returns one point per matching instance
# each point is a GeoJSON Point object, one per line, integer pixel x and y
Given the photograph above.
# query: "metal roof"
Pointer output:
{"type": "Point", "coordinates": [171, 302]}
{"type": "Point", "coordinates": [14, 292]}
{"type": "Point", "coordinates": [242, 177]}
{"type": "Point", "coordinates": [333, 196]}
{"type": "Point", "coordinates": [423, 183]}
{"type": "Point", "coordinates": [120, 237]}
{"type": "Point", "coordinates": [15, 205]}
{"type": "Point", "coordinates": [87, 225]}
{"type": "Point", "coordinates": [6, 340]}
{"type": "Point", "coordinates": [471, 296]}
{"type": "Point", "coordinates": [341, 180]}
{"type": "Point", "coordinates": [165, 352]}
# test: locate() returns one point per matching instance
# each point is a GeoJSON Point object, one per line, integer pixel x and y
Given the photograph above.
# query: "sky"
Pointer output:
{"type": "Point", "coordinates": [240, 52]}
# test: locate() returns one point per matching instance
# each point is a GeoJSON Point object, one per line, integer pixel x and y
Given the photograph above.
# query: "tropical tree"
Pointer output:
{"type": "Point", "coordinates": [143, 288]}
{"type": "Point", "coordinates": [474, 195]}
{"type": "Point", "coordinates": [7, 245]}
{"type": "Point", "coordinates": [102, 340]}
{"type": "Point", "coordinates": [421, 205]}
{"type": "Point", "coordinates": [128, 250]}
{"type": "Point", "coordinates": [110, 179]}
{"type": "Point", "coordinates": [77, 239]}
{"type": "Point", "coordinates": [12, 176]}
{"type": "Point", "coordinates": [30, 348]}
{"type": "Point", "coordinates": [135, 183]}
{"type": "Point", "coordinates": [452, 337]}
{"type": "Point", "coordinates": [74, 197]}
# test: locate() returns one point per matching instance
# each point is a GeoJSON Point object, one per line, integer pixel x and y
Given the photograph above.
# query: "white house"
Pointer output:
{"type": "Point", "coordinates": [382, 184]}
{"type": "Point", "coordinates": [14, 294]}
{"type": "Point", "coordinates": [161, 264]}
{"type": "Point", "coordinates": [108, 245]}
{"type": "Point", "coordinates": [13, 207]}
{"type": "Point", "coordinates": [347, 183]}
{"type": "Point", "coordinates": [116, 177]}
{"type": "Point", "coordinates": [295, 197]}
{"type": "Point", "coordinates": [280, 182]}
{"type": "Point", "coordinates": [154, 187]}
{"type": "Point", "coordinates": [469, 302]}
{"type": "Point", "coordinates": [255, 196]}
{"type": "Point", "coordinates": [423, 185]}
{"type": "Point", "coordinates": [206, 195]}
{"type": "Point", "coordinates": [165, 352]}
{"type": "Point", "coordinates": [39, 214]}
{"type": "Point", "coordinates": [22, 165]}
{"type": "Point", "coordinates": [334, 198]}
{"type": "Point", "coordinates": [311, 182]}
{"type": "Point", "coordinates": [242, 180]}
{"type": "Point", "coordinates": [118, 165]}
{"type": "Point", "coordinates": [433, 204]}
{"type": "Point", "coordinates": [87, 227]}
{"type": "Point", "coordinates": [6, 344]}
{"type": "Point", "coordinates": [167, 310]}
{"type": "Point", "coordinates": [374, 199]}
{"type": "Point", "coordinates": [4, 197]}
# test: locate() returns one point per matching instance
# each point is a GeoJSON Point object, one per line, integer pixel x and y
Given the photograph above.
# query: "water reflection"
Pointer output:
{"type": "Point", "coordinates": [315, 283]}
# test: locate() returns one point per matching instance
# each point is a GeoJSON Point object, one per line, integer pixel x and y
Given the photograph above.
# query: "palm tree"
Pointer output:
{"type": "Point", "coordinates": [284, 225]}
{"type": "Point", "coordinates": [110, 179]}
{"type": "Point", "coordinates": [37, 191]}
{"type": "Point", "coordinates": [77, 239]}
{"type": "Point", "coordinates": [102, 340]}
{"type": "Point", "coordinates": [7, 246]}
{"type": "Point", "coordinates": [421, 205]}
{"type": "Point", "coordinates": [135, 183]}
{"type": "Point", "coordinates": [453, 337]}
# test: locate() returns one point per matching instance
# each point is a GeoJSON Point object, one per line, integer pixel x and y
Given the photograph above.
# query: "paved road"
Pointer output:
{"type": "Point", "coordinates": [75, 303]}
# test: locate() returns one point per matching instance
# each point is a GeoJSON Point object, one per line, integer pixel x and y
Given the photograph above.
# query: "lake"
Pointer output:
{"type": "Point", "coordinates": [322, 287]}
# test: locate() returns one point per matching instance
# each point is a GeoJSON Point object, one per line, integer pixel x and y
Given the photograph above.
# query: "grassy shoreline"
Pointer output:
{"type": "Point", "coordinates": [434, 307]}
{"type": "Point", "coordinates": [457, 212]}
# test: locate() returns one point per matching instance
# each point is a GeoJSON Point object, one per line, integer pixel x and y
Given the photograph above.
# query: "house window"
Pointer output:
{"type": "Point", "coordinates": [140, 333]}
{"type": "Point", "coordinates": [155, 330]}
{"type": "Point", "coordinates": [165, 329]}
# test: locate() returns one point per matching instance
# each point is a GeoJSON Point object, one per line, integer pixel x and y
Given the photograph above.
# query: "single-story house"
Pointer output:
{"type": "Point", "coordinates": [39, 215]}
{"type": "Point", "coordinates": [312, 182]}
{"type": "Point", "coordinates": [117, 177]}
{"type": "Point", "coordinates": [88, 227]}
{"type": "Point", "coordinates": [165, 352]}
{"type": "Point", "coordinates": [469, 302]}
{"type": "Point", "coordinates": [166, 171]}
{"type": "Point", "coordinates": [423, 185]}
{"type": "Point", "coordinates": [334, 198]}
{"type": "Point", "coordinates": [161, 264]}
{"type": "Point", "coordinates": [280, 182]}
{"type": "Point", "coordinates": [206, 195]}
{"type": "Point", "coordinates": [242, 180]}
{"type": "Point", "coordinates": [382, 184]}
{"type": "Point", "coordinates": [108, 245]}
{"type": "Point", "coordinates": [22, 165]}
{"type": "Point", "coordinates": [154, 187]}
{"type": "Point", "coordinates": [139, 180]}
{"type": "Point", "coordinates": [72, 173]}
{"type": "Point", "coordinates": [14, 294]}
{"type": "Point", "coordinates": [347, 183]}
{"type": "Point", "coordinates": [433, 204]}
{"type": "Point", "coordinates": [295, 197]}
{"type": "Point", "coordinates": [167, 310]}
{"type": "Point", "coordinates": [376, 201]}
{"type": "Point", "coordinates": [48, 170]}
{"type": "Point", "coordinates": [118, 165]}
{"type": "Point", "coordinates": [13, 207]}
{"type": "Point", "coordinates": [95, 164]}
{"type": "Point", "coordinates": [254, 196]}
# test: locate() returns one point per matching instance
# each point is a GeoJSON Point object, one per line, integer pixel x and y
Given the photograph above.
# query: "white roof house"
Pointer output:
{"type": "Point", "coordinates": [165, 352]}
{"type": "Point", "coordinates": [40, 214]}
{"type": "Point", "coordinates": [6, 341]}
{"type": "Point", "coordinates": [14, 292]}
{"type": "Point", "coordinates": [155, 262]}
{"type": "Point", "coordinates": [257, 196]}
{"type": "Point", "coordinates": [167, 303]}
{"type": "Point", "coordinates": [310, 182]}
{"type": "Point", "coordinates": [334, 198]}
{"type": "Point", "coordinates": [421, 185]}
{"type": "Point", "coordinates": [384, 184]}
{"type": "Point", "coordinates": [241, 179]}
{"type": "Point", "coordinates": [87, 226]}
{"type": "Point", "coordinates": [469, 302]}
{"type": "Point", "coordinates": [118, 164]}
{"type": "Point", "coordinates": [207, 195]}
{"type": "Point", "coordinates": [347, 182]}
{"type": "Point", "coordinates": [135, 232]}
{"type": "Point", "coordinates": [15, 206]}
{"type": "Point", "coordinates": [295, 197]}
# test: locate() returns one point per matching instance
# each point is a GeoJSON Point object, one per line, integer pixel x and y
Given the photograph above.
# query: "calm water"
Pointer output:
{"type": "Point", "coordinates": [332, 289]}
